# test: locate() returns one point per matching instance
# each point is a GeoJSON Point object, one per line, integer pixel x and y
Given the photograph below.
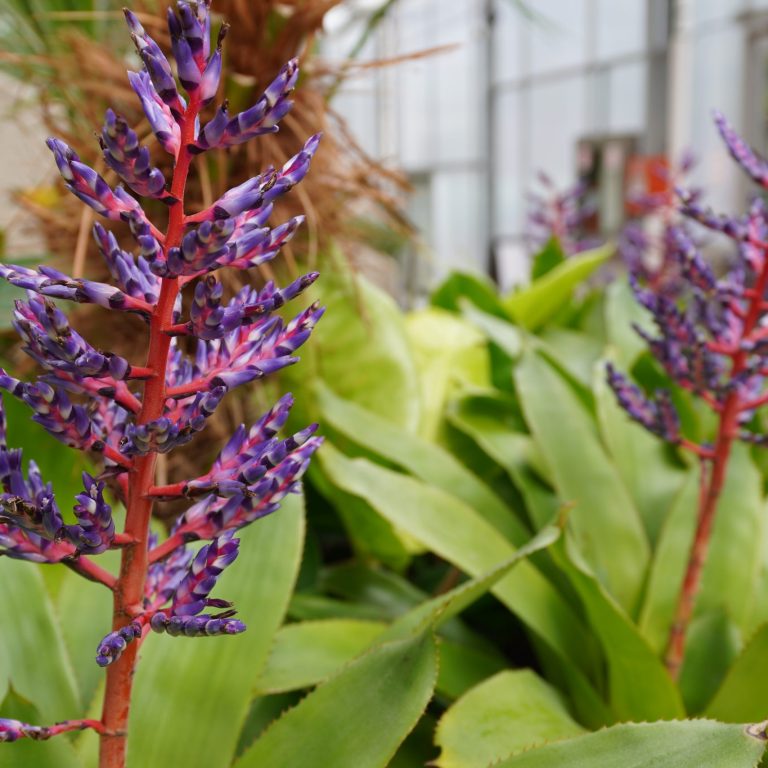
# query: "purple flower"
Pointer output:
{"type": "Point", "coordinates": [158, 113]}
{"type": "Point", "coordinates": [112, 646]}
{"type": "Point", "coordinates": [223, 131]}
{"type": "Point", "coordinates": [124, 155]}
{"type": "Point", "coordinates": [83, 182]}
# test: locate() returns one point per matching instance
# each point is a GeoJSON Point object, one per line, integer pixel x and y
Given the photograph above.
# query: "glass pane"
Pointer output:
{"type": "Point", "coordinates": [627, 98]}
{"type": "Point", "coordinates": [557, 121]}
{"type": "Point", "coordinates": [621, 27]}
{"type": "Point", "coordinates": [507, 167]}
{"type": "Point", "coordinates": [559, 39]}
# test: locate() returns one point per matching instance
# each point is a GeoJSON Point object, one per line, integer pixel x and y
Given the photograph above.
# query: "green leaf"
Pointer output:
{"type": "Point", "coordinates": [482, 419]}
{"type": "Point", "coordinates": [369, 534]}
{"type": "Point", "coordinates": [711, 647]}
{"type": "Point", "coordinates": [306, 653]}
{"type": "Point", "coordinates": [502, 333]}
{"type": "Point", "coordinates": [449, 353]}
{"type": "Point", "coordinates": [605, 520]}
{"type": "Point", "coordinates": [461, 287]}
{"type": "Point", "coordinates": [622, 314]}
{"type": "Point", "coordinates": [361, 351]}
{"type": "Point", "coordinates": [732, 569]}
{"type": "Point", "coordinates": [32, 644]}
{"type": "Point", "coordinates": [463, 667]}
{"type": "Point", "coordinates": [56, 753]}
{"type": "Point", "coordinates": [456, 533]}
{"type": "Point", "coordinates": [419, 457]}
{"type": "Point", "coordinates": [743, 694]}
{"type": "Point", "coordinates": [533, 306]}
{"type": "Point", "coordinates": [550, 256]}
{"type": "Point", "coordinates": [573, 351]}
{"type": "Point", "coordinates": [639, 686]}
{"type": "Point", "coordinates": [506, 714]}
{"type": "Point", "coordinates": [440, 609]}
{"type": "Point", "coordinates": [358, 718]}
{"type": "Point", "coordinates": [685, 744]}
{"type": "Point", "coordinates": [192, 695]}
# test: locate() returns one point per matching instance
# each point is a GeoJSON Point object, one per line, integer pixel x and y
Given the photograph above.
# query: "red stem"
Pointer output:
{"type": "Point", "coordinates": [713, 473]}
{"type": "Point", "coordinates": [91, 571]}
{"type": "Point", "coordinates": [129, 590]}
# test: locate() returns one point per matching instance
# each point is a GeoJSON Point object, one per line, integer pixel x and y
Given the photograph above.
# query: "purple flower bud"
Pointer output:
{"type": "Point", "coordinates": [263, 189]}
{"type": "Point", "coordinates": [164, 577]}
{"type": "Point", "coordinates": [158, 68]}
{"type": "Point", "coordinates": [750, 161]}
{"type": "Point", "coordinates": [262, 118]}
{"type": "Point", "coordinates": [53, 410]}
{"type": "Point", "coordinates": [56, 346]}
{"type": "Point", "coordinates": [112, 646]}
{"type": "Point", "coordinates": [191, 595]}
{"type": "Point", "coordinates": [211, 516]}
{"type": "Point", "coordinates": [123, 153]}
{"type": "Point", "coordinates": [96, 528]}
{"type": "Point", "coordinates": [12, 730]}
{"type": "Point", "coordinates": [158, 113]}
{"type": "Point", "coordinates": [133, 276]}
{"type": "Point", "coordinates": [91, 188]}
{"type": "Point", "coordinates": [203, 625]}
{"type": "Point", "coordinates": [211, 320]}
{"type": "Point", "coordinates": [177, 428]}
{"type": "Point", "coordinates": [658, 417]}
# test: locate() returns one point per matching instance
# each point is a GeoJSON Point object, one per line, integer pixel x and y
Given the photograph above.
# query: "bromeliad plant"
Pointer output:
{"type": "Point", "coordinates": [127, 414]}
{"type": "Point", "coordinates": [712, 341]}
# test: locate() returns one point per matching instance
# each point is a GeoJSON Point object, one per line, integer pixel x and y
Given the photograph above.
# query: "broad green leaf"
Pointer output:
{"type": "Point", "coordinates": [544, 298]}
{"type": "Point", "coordinates": [462, 287]}
{"type": "Point", "coordinates": [605, 520]}
{"type": "Point", "coordinates": [452, 530]}
{"type": "Point", "coordinates": [685, 744]}
{"type": "Point", "coordinates": [370, 535]}
{"type": "Point", "coordinates": [735, 551]}
{"type": "Point", "coordinates": [550, 256]}
{"type": "Point", "coordinates": [358, 718]}
{"type": "Point", "coordinates": [668, 566]}
{"type": "Point", "coordinates": [306, 653]}
{"type": "Point", "coordinates": [32, 644]}
{"type": "Point", "coordinates": [482, 418]}
{"type": "Point", "coordinates": [643, 461]}
{"type": "Point", "coordinates": [88, 610]}
{"type": "Point", "coordinates": [505, 335]}
{"type": "Point", "coordinates": [622, 314]}
{"type": "Point", "coordinates": [450, 353]}
{"type": "Point", "coordinates": [55, 753]}
{"type": "Point", "coordinates": [193, 694]}
{"type": "Point", "coordinates": [360, 349]}
{"type": "Point", "coordinates": [639, 686]}
{"type": "Point", "coordinates": [440, 609]}
{"type": "Point", "coordinates": [732, 569]}
{"type": "Point", "coordinates": [712, 645]}
{"type": "Point", "coordinates": [508, 713]}
{"type": "Point", "coordinates": [573, 351]}
{"type": "Point", "coordinates": [743, 694]}
{"type": "Point", "coordinates": [419, 457]}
